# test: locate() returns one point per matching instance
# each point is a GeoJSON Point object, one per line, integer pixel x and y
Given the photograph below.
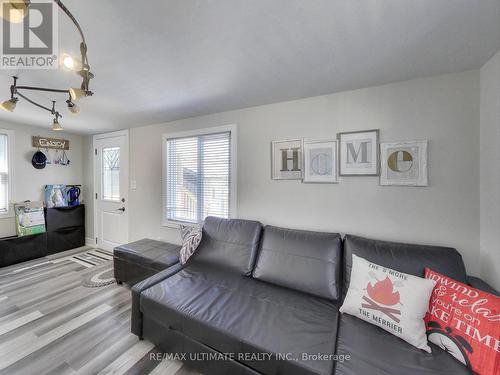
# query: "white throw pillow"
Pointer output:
{"type": "Point", "coordinates": [395, 301]}
{"type": "Point", "coordinates": [191, 238]}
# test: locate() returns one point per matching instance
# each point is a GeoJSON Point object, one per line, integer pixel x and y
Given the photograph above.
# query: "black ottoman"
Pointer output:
{"type": "Point", "coordinates": [136, 261]}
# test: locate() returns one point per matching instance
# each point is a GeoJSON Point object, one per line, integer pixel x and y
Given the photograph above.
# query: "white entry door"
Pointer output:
{"type": "Point", "coordinates": [111, 189]}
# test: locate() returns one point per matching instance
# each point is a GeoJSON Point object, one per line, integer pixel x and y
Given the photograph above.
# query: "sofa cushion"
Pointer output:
{"type": "Point", "coordinates": [237, 314]}
{"type": "Point", "coordinates": [395, 301]}
{"type": "Point", "coordinates": [403, 257]}
{"type": "Point", "coordinates": [374, 351]}
{"type": "Point", "coordinates": [229, 243]}
{"type": "Point", "coordinates": [301, 260]}
{"type": "Point", "coordinates": [191, 238]}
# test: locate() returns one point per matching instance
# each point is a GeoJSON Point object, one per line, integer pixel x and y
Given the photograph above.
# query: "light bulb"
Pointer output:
{"type": "Point", "coordinates": [73, 108]}
{"type": "Point", "coordinates": [14, 11]}
{"type": "Point", "coordinates": [76, 93]}
{"type": "Point", "coordinates": [71, 63]}
{"type": "Point", "coordinates": [9, 105]}
{"type": "Point", "coordinates": [68, 62]}
{"type": "Point", "coordinates": [56, 126]}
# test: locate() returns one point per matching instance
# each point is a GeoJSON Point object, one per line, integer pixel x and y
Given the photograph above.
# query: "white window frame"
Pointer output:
{"type": "Point", "coordinates": [10, 153]}
{"type": "Point", "coordinates": [233, 128]}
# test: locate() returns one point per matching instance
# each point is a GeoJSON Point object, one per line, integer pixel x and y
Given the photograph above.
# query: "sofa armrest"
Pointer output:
{"type": "Point", "coordinates": [477, 283]}
{"type": "Point", "coordinates": [137, 289]}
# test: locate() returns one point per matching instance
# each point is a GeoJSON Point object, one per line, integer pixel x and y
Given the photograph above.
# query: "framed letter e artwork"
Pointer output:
{"type": "Point", "coordinates": [320, 161]}
{"type": "Point", "coordinates": [286, 160]}
{"type": "Point", "coordinates": [359, 153]}
{"type": "Point", "coordinates": [404, 163]}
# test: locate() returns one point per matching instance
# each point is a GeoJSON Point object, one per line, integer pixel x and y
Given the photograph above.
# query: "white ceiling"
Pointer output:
{"type": "Point", "coordinates": [159, 60]}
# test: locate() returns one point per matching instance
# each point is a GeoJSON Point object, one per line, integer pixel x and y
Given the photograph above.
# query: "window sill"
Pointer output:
{"type": "Point", "coordinates": [7, 215]}
{"type": "Point", "coordinates": [176, 224]}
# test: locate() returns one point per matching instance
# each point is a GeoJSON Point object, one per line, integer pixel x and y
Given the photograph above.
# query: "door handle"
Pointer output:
{"type": "Point", "coordinates": [121, 209]}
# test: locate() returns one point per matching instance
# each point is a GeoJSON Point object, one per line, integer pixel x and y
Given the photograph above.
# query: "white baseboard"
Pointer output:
{"type": "Point", "coordinates": [89, 241]}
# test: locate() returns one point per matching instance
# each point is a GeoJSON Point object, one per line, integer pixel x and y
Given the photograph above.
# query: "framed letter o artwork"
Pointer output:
{"type": "Point", "coordinates": [404, 163]}
{"type": "Point", "coordinates": [320, 162]}
{"type": "Point", "coordinates": [359, 153]}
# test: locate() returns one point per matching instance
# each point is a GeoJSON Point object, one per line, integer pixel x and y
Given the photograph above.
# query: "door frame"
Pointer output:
{"type": "Point", "coordinates": [96, 177]}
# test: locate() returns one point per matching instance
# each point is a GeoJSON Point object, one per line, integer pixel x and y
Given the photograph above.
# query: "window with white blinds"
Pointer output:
{"type": "Point", "coordinates": [4, 173]}
{"type": "Point", "coordinates": [198, 177]}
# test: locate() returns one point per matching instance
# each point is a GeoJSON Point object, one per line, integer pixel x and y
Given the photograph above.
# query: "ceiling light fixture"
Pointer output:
{"type": "Point", "coordinates": [9, 105]}
{"type": "Point", "coordinates": [72, 107]}
{"type": "Point", "coordinates": [14, 11]}
{"type": "Point", "coordinates": [55, 124]}
{"type": "Point", "coordinates": [75, 93]}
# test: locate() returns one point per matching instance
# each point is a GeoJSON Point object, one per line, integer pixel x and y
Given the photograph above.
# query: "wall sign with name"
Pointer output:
{"type": "Point", "coordinates": [54, 143]}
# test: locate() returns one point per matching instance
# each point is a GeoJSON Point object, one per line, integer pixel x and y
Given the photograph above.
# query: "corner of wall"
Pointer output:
{"type": "Point", "coordinates": [489, 237]}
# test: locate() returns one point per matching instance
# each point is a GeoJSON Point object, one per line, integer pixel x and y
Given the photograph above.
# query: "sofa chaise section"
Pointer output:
{"type": "Point", "coordinates": [232, 313]}
{"type": "Point", "coordinates": [214, 305]}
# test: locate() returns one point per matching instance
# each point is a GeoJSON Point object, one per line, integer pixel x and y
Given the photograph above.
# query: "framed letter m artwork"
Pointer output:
{"type": "Point", "coordinates": [359, 153]}
{"type": "Point", "coordinates": [286, 160]}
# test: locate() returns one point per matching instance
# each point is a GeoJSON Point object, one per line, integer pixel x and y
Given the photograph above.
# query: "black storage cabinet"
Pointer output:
{"type": "Point", "coordinates": [21, 249]}
{"type": "Point", "coordinates": [65, 231]}
{"type": "Point", "coordinates": [65, 228]}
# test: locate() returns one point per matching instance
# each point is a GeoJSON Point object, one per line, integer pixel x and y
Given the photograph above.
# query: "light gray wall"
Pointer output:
{"type": "Point", "coordinates": [490, 171]}
{"type": "Point", "coordinates": [443, 109]}
{"type": "Point", "coordinates": [28, 181]}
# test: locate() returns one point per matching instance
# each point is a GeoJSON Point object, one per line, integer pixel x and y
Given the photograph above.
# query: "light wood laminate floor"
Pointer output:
{"type": "Point", "coordinates": [51, 324]}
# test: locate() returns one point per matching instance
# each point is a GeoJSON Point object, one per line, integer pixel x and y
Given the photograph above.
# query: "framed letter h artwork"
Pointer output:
{"type": "Point", "coordinates": [286, 160]}
{"type": "Point", "coordinates": [359, 153]}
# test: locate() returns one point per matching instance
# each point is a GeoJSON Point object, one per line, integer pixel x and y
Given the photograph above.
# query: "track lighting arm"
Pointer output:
{"type": "Point", "coordinates": [40, 89]}
{"type": "Point", "coordinates": [51, 110]}
{"type": "Point", "coordinates": [72, 18]}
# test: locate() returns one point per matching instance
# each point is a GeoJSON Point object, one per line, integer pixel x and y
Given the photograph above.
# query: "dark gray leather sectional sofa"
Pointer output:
{"type": "Point", "coordinates": [265, 300]}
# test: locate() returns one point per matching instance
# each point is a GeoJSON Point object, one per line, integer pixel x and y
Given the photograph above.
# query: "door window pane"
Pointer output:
{"type": "Point", "coordinates": [111, 173]}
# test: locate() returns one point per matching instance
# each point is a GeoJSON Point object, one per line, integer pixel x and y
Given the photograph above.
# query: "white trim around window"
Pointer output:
{"type": "Point", "coordinates": [10, 172]}
{"type": "Point", "coordinates": [233, 129]}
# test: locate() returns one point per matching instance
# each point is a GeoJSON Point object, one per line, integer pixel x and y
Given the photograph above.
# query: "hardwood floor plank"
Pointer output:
{"type": "Point", "coordinates": [28, 274]}
{"type": "Point", "coordinates": [109, 355]}
{"type": "Point", "coordinates": [39, 342]}
{"type": "Point", "coordinates": [91, 349]}
{"type": "Point", "coordinates": [7, 309]}
{"type": "Point", "coordinates": [69, 312]}
{"type": "Point", "coordinates": [51, 324]}
{"type": "Point", "coordinates": [128, 359]}
{"type": "Point", "coordinates": [27, 282]}
{"type": "Point", "coordinates": [23, 269]}
{"type": "Point", "coordinates": [62, 369]}
{"type": "Point", "coordinates": [167, 368]}
{"type": "Point", "coordinates": [13, 346]}
{"type": "Point", "coordinates": [79, 341]}
{"type": "Point", "coordinates": [10, 324]}
{"type": "Point", "coordinates": [13, 267]}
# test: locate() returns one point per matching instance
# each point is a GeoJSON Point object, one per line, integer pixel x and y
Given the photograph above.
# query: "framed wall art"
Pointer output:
{"type": "Point", "coordinates": [320, 162]}
{"type": "Point", "coordinates": [359, 153]}
{"type": "Point", "coordinates": [404, 163]}
{"type": "Point", "coordinates": [286, 159]}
